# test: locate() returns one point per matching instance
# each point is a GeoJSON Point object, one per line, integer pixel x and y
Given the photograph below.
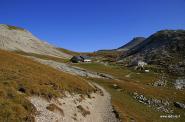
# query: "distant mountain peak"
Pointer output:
{"type": "Point", "coordinates": [135, 41]}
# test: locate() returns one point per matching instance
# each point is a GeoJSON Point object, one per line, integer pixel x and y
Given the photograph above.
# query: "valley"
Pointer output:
{"type": "Point", "coordinates": [141, 81]}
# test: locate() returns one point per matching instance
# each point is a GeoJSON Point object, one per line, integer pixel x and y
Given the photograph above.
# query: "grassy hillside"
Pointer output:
{"type": "Point", "coordinates": [68, 51]}
{"type": "Point", "coordinates": [21, 77]}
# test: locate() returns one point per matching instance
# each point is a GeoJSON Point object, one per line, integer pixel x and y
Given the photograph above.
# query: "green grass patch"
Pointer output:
{"type": "Point", "coordinates": [10, 27]}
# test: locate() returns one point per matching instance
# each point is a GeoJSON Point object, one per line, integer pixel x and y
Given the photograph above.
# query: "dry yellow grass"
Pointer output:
{"type": "Point", "coordinates": [45, 57]}
{"type": "Point", "coordinates": [21, 77]}
{"type": "Point", "coordinates": [52, 107]}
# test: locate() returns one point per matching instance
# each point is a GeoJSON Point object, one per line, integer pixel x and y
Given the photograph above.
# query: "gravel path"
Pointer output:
{"type": "Point", "coordinates": [98, 108]}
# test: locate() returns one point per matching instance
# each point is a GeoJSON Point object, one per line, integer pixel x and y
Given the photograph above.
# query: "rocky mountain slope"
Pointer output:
{"type": "Point", "coordinates": [165, 48]}
{"type": "Point", "coordinates": [18, 39]}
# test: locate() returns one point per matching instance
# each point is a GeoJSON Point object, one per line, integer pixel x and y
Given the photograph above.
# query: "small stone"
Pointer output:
{"type": "Point", "coordinates": [147, 71]}
{"type": "Point", "coordinates": [179, 105]}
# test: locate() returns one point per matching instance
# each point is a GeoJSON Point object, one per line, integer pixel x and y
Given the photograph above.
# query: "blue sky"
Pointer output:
{"type": "Point", "coordinates": [90, 25]}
